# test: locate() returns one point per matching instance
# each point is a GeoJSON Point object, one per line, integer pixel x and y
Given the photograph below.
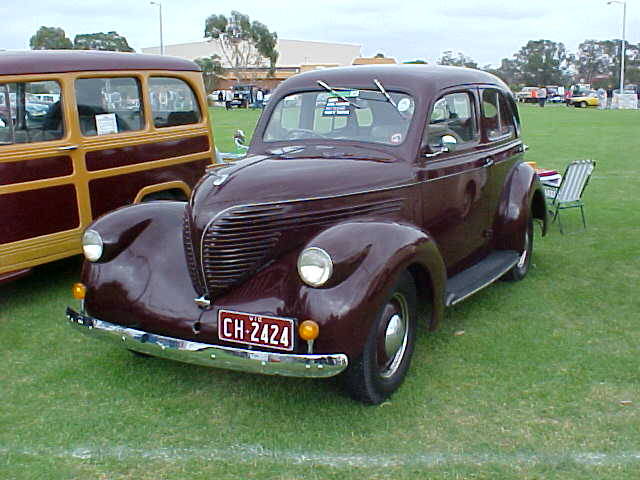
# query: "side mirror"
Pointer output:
{"type": "Point", "coordinates": [449, 142]}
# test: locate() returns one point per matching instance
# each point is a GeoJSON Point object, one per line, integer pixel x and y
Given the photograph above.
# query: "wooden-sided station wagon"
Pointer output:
{"type": "Point", "coordinates": [82, 133]}
{"type": "Point", "coordinates": [365, 191]}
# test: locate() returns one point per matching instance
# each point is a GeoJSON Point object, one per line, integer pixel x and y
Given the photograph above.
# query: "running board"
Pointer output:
{"type": "Point", "coordinates": [480, 275]}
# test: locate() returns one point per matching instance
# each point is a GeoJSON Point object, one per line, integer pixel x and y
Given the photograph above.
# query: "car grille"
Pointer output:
{"type": "Point", "coordinates": [194, 271]}
{"type": "Point", "coordinates": [242, 239]}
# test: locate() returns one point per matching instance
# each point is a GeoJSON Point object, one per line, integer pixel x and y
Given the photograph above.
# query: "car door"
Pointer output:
{"type": "Point", "coordinates": [39, 216]}
{"type": "Point", "coordinates": [501, 147]}
{"type": "Point", "coordinates": [453, 183]}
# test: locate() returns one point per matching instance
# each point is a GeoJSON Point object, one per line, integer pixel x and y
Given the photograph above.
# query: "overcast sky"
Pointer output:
{"type": "Point", "coordinates": [487, 31]}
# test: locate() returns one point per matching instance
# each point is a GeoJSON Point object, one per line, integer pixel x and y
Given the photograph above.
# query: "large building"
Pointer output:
{"type": "Point", "coordinates": [295, 56]}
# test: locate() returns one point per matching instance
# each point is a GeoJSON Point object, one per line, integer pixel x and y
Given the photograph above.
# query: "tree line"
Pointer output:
{"type": "Point", "coordinates": [54, 38]}
{"type": "Point", "coordinates": [544, 62]}
{"type": "Point", "coordinates": [245, 44]}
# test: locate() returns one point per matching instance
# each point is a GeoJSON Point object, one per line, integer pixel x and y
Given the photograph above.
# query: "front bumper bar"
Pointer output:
{"type": "Point", "coordinates": [286, 364]}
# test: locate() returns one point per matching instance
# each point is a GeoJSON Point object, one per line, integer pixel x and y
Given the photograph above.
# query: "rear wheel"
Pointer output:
{"type": "Point", "coordinates": [386, 357]}
{"type": "Point", "coordinates": [520, 269]}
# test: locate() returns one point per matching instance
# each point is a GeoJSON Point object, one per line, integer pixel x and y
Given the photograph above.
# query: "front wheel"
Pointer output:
{"type": "Point", "coordinates": [383, 364]}
{"type": "Point", "coordinates": [520, 269]}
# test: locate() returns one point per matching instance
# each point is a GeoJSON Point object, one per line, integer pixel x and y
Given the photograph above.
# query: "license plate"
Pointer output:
{"type": "Point", "coordinates": [259, 330]}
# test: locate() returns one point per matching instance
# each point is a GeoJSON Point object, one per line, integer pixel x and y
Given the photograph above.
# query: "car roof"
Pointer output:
{"type": "Point", "coordinates": [413, 77]}
{"type": "Point", "coordinates": [61, 61]}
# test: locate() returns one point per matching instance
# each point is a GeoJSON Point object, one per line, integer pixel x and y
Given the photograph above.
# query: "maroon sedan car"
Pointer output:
{"type": "Point", "coordinates": [366, 190]}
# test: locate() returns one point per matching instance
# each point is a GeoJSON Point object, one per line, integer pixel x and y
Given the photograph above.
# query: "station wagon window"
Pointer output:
{"type": "Point", "coordinates": [172, 102]}
{"type": "Point", "coordinates": [109, 105]}
{"type": "Point", "coordinates": [356, 115]}
{"type": "Point", "coordinates": [497, 117]}
{"type": "Point", "coordinates": [30, 112]}
{"type": "Point", "coordinates": [453, 114]}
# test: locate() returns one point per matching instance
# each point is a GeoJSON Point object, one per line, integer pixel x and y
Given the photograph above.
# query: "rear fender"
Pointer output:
{"type": "Point", "coordinates": [522, 198]}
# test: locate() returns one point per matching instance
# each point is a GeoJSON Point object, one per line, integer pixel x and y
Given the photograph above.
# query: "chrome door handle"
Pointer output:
{"type": "Point", "coordinates": [68, 147]}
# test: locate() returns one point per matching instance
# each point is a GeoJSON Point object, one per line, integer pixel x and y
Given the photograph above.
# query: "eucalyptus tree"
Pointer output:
{"type": "Point", "coordinates": [243, 44]}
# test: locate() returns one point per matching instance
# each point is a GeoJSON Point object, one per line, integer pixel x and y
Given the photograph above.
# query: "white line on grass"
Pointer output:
{"type": "Point", "coordinates": [249, 453]}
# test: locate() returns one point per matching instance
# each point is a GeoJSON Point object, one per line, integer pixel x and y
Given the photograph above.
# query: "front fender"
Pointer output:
{"type": "Point", "coordinates": [368, 258]}
{"type": "Point", "coordinates": [142, 281]}
{"type": "Point", "coordinates": [522, 198]}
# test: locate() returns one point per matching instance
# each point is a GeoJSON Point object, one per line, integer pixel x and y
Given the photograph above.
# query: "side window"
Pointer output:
{"type": "Point", "coordinates": [453, 114]}
{"type": "Point", "coordinates": [172, 102]}
{"type": "Point", "coordinates": [109, 105]}
{"type": "Point", "coordinates": [497, 117]}
{"type": "Point", "coordinates": [30, 112]}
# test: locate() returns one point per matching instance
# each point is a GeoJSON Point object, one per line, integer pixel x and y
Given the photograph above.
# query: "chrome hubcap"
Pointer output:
{"type": "Point", "coordinates": [396, 335]}
{"type": "Point", "coordinates": [393, 336]}
{"type": "Point", "coordinates": [523, 257]}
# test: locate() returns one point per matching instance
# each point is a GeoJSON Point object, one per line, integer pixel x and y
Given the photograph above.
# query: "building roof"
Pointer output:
{"type": "Point", "coordinates": [374, 61]}
{"type": "Point", "coordinates": [292, 53]}
{"type": "Point", "coordinates": [60, 61]}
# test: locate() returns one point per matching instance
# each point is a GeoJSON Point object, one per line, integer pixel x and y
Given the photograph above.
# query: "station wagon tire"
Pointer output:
{"type": "Point", "coordinates": [383, 364]}
{"type": "Point", "coordinates": [165, 195]}
{"type": "Point", "coordinates": [520, 270]}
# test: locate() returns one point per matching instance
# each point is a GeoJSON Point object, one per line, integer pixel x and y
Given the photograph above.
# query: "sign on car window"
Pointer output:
{"type": "Point", "coordinates": [109, 105]}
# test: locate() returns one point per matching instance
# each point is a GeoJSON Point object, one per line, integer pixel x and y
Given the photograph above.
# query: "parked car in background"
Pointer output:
{"type": "Point", "coordinates": [123, 129]}
{"type": "Point", "coordinates": [585, 99]}
{"type": "Point", "coordinates": [243, 95]}
{"type": "Point", "coordinates": [528, 95]}
{"type": "Point", "coordinates": [366, 191]}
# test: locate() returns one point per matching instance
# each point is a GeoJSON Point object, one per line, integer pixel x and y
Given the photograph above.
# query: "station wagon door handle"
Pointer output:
{"type": "Point", "coordinates": [68, 147]}
{"type": "Point", "coordinates": [488, 162]}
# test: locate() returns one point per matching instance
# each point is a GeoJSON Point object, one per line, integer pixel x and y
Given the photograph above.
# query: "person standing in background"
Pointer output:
{"type": "Point", "coordinates": [228, 97]}
{"type": "Point", "coordinates": [542, 96]}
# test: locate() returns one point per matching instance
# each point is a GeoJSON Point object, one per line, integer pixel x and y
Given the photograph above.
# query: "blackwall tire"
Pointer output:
{"type": "Point", "coordinates": [385, 360]}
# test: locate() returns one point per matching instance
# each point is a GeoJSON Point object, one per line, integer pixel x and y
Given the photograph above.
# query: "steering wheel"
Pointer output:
{"type": "Point", "coordinates": [302, 133]}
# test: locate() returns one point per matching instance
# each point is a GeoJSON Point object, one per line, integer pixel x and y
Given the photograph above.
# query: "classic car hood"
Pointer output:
{"type": "Point", "coordinates": [261, 179]}
{"type": "Point", "coordinates": [242, 216]}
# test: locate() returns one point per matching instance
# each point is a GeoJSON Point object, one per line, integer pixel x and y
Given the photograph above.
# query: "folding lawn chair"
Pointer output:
{"type": "Point", "coordinates": [569, 193]}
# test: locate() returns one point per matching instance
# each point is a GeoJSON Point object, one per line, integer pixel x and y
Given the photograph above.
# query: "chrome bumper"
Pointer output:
{"type": "Point", "coordinates": [286, 364]}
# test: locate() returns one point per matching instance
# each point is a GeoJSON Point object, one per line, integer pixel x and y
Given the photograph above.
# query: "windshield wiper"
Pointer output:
{"type": "Point", "coordinates": [384, 92]}
{"type": "Point", "coordinates": [337, 94]}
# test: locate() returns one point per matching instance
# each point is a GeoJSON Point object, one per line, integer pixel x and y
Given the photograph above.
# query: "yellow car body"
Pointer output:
{"type": "Point", "coordinates": [587, 100]}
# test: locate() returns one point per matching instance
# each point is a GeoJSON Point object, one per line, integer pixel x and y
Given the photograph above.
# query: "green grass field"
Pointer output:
{"type": "Point", "coordinates": [543, 384]}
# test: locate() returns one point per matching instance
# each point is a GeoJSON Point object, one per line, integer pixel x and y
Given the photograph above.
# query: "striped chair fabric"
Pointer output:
{"type": "Point", "coordinates": [569, 193]}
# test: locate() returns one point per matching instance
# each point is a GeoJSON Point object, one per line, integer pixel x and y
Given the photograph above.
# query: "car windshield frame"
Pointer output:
{"type": "Point", "coordinates": [362, 103]}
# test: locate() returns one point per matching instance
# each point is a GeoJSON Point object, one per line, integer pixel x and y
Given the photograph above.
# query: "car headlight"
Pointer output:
{"type": "Point", "coordinates": [315, 266]}
{"type": "Point", "coordinates": [92, 245]}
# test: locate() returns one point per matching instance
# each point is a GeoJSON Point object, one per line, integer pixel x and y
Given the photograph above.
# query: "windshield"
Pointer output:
{"type": "Point", "coordinates": [343, 114]}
